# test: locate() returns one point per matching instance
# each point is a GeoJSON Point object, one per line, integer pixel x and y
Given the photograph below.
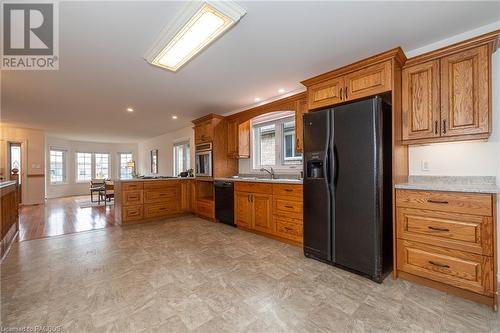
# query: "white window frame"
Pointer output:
{"type": "Point", "coordinates": [186, 158]}
{"type": "Point", "coordinates": [279, 147]}
{"type": "Point", "coordinates": [77, 180]}
{"type": "Point", "coordinates": [95, 165]}
{"type": "Point", "coordinates": [64, 166]}
{"type": "Point", "coordinates": [120, 175]}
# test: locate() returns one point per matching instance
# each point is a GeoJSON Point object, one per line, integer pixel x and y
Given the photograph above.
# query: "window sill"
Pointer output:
{"type": "Point", "coordinates": [58, 184]}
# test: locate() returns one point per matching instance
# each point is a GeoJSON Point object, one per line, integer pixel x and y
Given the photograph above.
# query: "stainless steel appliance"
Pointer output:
{"type": "Point", "coordinates": [347, 187]}
{"type": "Point", "coordinates": [224, 202]}
{"type": "Point", "coordinates": [203, 159]}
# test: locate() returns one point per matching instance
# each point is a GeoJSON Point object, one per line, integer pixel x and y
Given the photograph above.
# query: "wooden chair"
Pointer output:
{"type": "Point", "coordinates": [96, 185]}
{"type": "Point", "coordinates": [109, 191]}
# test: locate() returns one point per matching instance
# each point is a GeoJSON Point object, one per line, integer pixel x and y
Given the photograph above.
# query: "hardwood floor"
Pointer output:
{"type": "Point", "coordinates": [62, 216]}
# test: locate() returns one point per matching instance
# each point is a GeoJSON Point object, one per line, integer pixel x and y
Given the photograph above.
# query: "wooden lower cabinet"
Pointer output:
{"type": "Point", "coordinates": [243, 212]}
{"type": "Point", "coordinates": [137, 201]}
{"type": "Point", "coordinates": [262, 212]}
{"type": "Point", "coordinates": [447, 240]}
{"type": "Point", "coordinates": [205, 208]}
{"type": "Point", "coordinates": [263, 208]}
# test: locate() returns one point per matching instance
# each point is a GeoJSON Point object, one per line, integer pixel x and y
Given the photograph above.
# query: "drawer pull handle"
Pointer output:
{"type": "Point", "coordinates": [438, 229]}
{"type": "Point", "coordinates": [288, 190]}
{"type": "Point", "coordinates": [437, 201]}
{"type": "Point", "coordinates": [288, 206]}
{"type": "Point", "coordinates": [288, 228]}
{"type": "Point", "coordinates": [438, 264]}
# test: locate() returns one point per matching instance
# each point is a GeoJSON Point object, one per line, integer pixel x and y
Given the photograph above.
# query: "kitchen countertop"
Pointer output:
{"type": "Point", "coordinates": [474, 184]}
{"type": "Point", "coordinates": [6, 183]}
{"type": "Point", "coordinates": [262, 180]}
{"type": "Point", "coordinates": [150, 179]}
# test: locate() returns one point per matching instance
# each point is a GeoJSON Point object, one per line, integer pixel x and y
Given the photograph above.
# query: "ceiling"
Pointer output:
{"type": "Point", "coordinates": [276, 45]}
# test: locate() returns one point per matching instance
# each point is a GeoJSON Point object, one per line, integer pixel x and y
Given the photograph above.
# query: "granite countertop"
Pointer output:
{"type": "Point", "coordinates": [262, 180]}
{"type": "Point", "coordinates": [150, 179]}
{"type": "Point", "coordinates": [474, 184]}
{"type": "Point", "coordinates": [6, 183]}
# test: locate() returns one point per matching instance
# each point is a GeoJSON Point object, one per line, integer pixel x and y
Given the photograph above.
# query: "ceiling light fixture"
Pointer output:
{"type": "Point", "coordinates": [130, 110]}
{"type": "Point", "coordinates": [198, 25]}
{"type": "Point", "coordinates": [174, 117]}
{"type": "Point", "coordinates": [281, 90]}
{"type": "Point", "coordinates": [257, 99]}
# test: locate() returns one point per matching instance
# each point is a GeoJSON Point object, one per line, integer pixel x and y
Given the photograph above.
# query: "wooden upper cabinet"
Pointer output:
{"type": "Point", "coordinates": [325, 93]}
{"type": "Point", "coordinates": [300, 110]}
{"type": "Point", "coordinates": [204, 132]}
{"type": "Point", "coordinates": [421, 110]}
{"type": "Point", "coordinates": [451, 88]}
{"type": "Point", "coordinates": [465, 92]}
{"type": "Point", "coordinates": [238, 139]}
{"type": "Point", "coordinates": [368, 81]}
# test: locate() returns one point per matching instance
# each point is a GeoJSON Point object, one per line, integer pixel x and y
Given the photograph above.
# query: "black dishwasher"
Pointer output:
{"type": "Point", "coordinates": [224, 202]}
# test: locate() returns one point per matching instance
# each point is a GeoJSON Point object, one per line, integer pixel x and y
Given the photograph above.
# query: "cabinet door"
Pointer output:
{"type": "Point", "coordinates": [262, 212]}
{"type": "Point", "coordinates": [421, 110]}
{"type": "Point", "coordinates": [325, 93]}
{"type": "Point", "coordinates": [464, 92]}
{"type": "Point", "coordinates": [238, 139]}
{"type": "Point", "coordinates": [244, 140]}
{"type": "Point", "coordinates": [232, 138]}
{"type": "Point", "coordinates": [243, 209]}
{"type": "Point", "coordinates": [300, 110]}
{"type": "Point", "coordinates": [203, 132]}
{"type": "Point", "coordinates": [368, 81]}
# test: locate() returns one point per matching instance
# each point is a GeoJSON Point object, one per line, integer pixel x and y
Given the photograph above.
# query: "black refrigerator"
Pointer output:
{"type": "Point", "coordinates": [347, 187]}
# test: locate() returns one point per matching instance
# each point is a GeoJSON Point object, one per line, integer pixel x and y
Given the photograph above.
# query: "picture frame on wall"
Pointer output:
{"type": "Point", "coordinates": [154, 161]}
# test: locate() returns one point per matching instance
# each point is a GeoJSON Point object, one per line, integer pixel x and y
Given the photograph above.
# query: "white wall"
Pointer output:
{"type": "Point", "coordinates": [72, 147]}
{"type": "Point", "coordinates": [33, 161]}
{"type": "Point", "coordinates": [164, 143]}
{"type": "Point", "coordinates": [465, 158]}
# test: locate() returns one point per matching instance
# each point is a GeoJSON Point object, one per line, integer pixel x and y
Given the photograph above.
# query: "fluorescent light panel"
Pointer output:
{"type": "Point", "coordinates": [199, 31]}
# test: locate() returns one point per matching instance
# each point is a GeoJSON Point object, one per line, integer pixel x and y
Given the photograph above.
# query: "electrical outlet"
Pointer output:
{"type": "Point", "coordinates": [424, 165]}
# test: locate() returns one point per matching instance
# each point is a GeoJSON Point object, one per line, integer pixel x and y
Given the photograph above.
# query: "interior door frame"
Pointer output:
{"type": "Point", "coordinates": [24, 163]}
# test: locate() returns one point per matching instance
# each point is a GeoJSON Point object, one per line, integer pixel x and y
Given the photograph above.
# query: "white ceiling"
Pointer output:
{"type": "Point", "coordinates": [276, 45]}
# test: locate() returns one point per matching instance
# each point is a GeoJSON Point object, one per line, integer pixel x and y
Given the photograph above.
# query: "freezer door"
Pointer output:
{"type": "Point", "coordinates": [317, 192]}
{"type": "Point", "coordinates": [357, 182]}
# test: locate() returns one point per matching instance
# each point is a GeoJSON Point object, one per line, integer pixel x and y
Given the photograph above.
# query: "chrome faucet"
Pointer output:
{"type": "Point", "coordinates": [269, 172]}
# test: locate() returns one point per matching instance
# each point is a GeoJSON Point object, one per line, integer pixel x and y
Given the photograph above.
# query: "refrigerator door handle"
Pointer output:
{"type": "Point", "coordinates": [335, 166]}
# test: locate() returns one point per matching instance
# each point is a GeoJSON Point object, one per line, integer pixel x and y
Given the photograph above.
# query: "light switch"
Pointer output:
{"type": "Point", "coordinates": [424, 165]}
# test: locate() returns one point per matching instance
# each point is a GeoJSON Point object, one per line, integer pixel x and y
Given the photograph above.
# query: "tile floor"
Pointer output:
{"type": "Point", "coordinates": [191, 275]}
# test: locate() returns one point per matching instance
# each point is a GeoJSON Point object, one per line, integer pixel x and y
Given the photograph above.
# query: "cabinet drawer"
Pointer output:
{"type": "Point", "coordinates": [459, 269]}
{"type": "Point", "coordinates": [253, 187]}
{"type": "Point", "coordinates": [467, 203]}
{"type": "Point", "coordinates": [471, 233]}
{"type": "Point", "coordinates": [161, 184]}
{"type": "Point", "coordinates": [289, 228]}
{"type": "Point", "coordinates": [205, 209]}
{"type": "Point", "coordinates": [288, 190]}
{"type": "Point", "coordinates": [131, 186]}
{"type": "Point", "coordinates": [132, 213]}
{"type": "Point", "coordinates": [288, 208]}
{"type": "Point", "coordinates": [153, 196]}
{"type": "Point", "coordinates": [132, 198]}
{"type": "Point", "coordinates": [160, 209]}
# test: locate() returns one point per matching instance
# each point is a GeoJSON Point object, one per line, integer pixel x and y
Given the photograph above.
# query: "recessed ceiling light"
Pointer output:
{"type": "Point", "coordinates": [174, 117]}
{"type": "Point", "coordinates": [281, 90]}
{"type": "Point", "coordinates": [257, 99]}
{"type": "Point", "coordinates": [130, 110]}
{"type": "Point", "coordinates": [198, 25]}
